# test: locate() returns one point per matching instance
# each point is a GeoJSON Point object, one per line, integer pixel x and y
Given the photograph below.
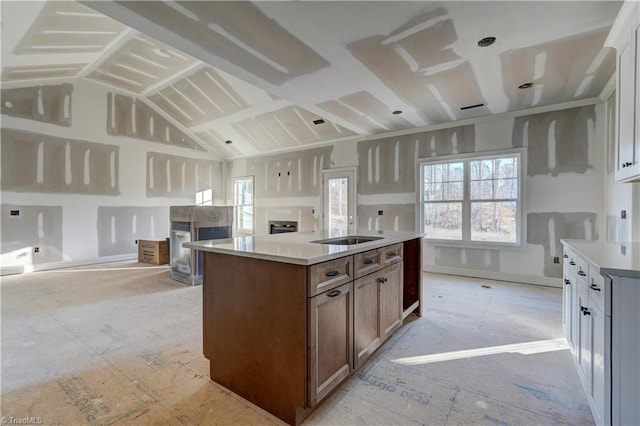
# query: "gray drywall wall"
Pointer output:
{"type": "Point", "coordinates": [468, 258]}
{"type": "Point", "coordinates": [394, 217]}
{"type": "Point", "coordinates": [35, 162]}
{"type": "Point", "coordinates": [119, 227]}
{"type": "Point", "coordinates": [177, 176]}
{"type": "Point", "coordinates": [32, 227]}
{"type": "Point", "coordinates": [49, 104]}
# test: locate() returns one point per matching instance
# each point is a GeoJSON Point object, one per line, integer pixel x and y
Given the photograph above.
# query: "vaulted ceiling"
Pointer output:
{"type": "Point", "coordinates": [260, 74]}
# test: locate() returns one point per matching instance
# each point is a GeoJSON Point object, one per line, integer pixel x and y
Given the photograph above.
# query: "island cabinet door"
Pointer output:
{"type": "Point", "coordinates": [390, 282]}
{"type": "Point", "coordinates": [366, 323]}
{"type": "Point", "coordinates": [330, 340]}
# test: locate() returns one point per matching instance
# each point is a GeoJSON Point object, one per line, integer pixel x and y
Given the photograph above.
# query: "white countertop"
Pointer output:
{"type": "Point", "coordinates": [296, 247]}
{"type": "Point", "coordinates": [618, 259]}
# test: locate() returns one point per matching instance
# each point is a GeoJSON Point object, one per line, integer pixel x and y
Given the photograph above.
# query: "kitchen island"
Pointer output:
{"type": "Point", "coordinates": [288, 317]}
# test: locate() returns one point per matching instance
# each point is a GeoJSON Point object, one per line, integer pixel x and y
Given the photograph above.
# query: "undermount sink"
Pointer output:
{"type": "Point", "coordinates": [348, 240]}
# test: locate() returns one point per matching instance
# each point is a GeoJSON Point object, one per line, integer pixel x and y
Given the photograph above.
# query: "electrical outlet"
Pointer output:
{"type": "Point", "coordinates": [14, 213]}
{"type": "Point", "coordinates": [623, 214]}
{"type": "Point", "coordinates": [36, 249]}
{"type": "Point", "coordinates": [556, 259]}
{"type": "Point", "coordinates": [380, 212]}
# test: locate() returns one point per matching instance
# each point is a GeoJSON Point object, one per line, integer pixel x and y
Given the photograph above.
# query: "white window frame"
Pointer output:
{"type": "Point", "coordinates": [236, 210]}
{"type": "Point", "coordinates": [466, 241]}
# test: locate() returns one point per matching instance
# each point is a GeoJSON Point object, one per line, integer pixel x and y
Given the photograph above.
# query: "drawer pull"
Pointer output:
{"type": "Point", "coordinates": [334, 293]}
{"type": "Point", "coordinates": [582, 273]}
{"type": "Point", "coordinates": [572, 263]}
{"type": "Point", "coordinates": [390, 255]}
{"type": "Point", "coordinates": [382, 280]}
{"type": "Point", "coordinates": [585, 311]}
{"type": "Point", "coordinates": [567, 282]}
{"type": "Point", "coordinates": [368, 261]}
{"type": "Point", "coordinates": [566, 256]}
{"type": "Point", "coordinates": [332, 273]}
{"type": "Point", "coordinates": [594, 287]}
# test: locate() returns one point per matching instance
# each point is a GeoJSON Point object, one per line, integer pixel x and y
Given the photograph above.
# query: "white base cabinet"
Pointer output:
{"type": "Point", "coordinates": [601, 321]}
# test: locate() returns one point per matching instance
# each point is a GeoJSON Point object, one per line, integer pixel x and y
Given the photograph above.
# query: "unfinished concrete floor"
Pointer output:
{"type": "Point", "coordinates": [122, 344]}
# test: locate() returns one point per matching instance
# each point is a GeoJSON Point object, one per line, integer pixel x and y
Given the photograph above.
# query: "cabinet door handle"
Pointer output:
{"type": "Point", "coordinates": [585, 311]}
{"type": "Point", "coordinates": [565, 256]}
{"type": "Point", "coordinates": [334, 293]}
{"type": "Point", "coordinates": [594, 287]}
{"type": "Point", "coordinates": [368, 261]}
{"type": "Point", "coordinates": [332, 273]}
{"type": "Point", "coordinates": [382, 280]}
{"type": "Point", "coordinates": [567, 282]}
{"type": "Point", "coordinates": [572, 263]}
{"type": "Point", "coordinates": [581, 273]}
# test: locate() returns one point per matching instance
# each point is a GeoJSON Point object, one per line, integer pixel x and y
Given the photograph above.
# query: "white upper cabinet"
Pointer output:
{"type": "Point", "coordinates": [625, 38]}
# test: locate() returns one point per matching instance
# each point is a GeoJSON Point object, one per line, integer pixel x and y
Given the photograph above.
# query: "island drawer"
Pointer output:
{"type": "Point", "coordinates": [391, 254]}
{"type": "Point", "coordinates": [328, 275]}
{"type": "Point", "coordinates": [597, 287]}
{"type": "Point", "coordinates": [367, 262]}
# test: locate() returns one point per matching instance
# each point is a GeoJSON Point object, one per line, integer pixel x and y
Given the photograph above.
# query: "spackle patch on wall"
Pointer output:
{"type": "Point", "coordinates": [49, 104]}
{"type": "Point", "coordinates": [419, 54]}
{"type": "Point", "coordinates": [468, 258]}
{"type": "Point", "coordinates": [133, 118]}
{"type": "Point", "coordinates": [558, 141]}
{"type": "Point", "coordinates": [35, 162]}
{"type": "Point", "coordinates": [388, 165]}
{"type": "Point", "coordinates": [395, 217]}
{"type": "Point", "coordinates": [547, 229]}
{"type": "Point", "coordinates": [33, 227]}
{"type": "Point", "coordinates": [119, 227]}
{"type": "Point", "coordinates": [176, 176]}
{"type": "Point", "coordinates": [292, 174]}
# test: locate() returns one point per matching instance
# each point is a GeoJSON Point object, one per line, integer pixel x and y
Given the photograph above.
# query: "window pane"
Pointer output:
{"type": "Point", "coordinates": [494, 221]}
{"type": "Point", "coordinates": [507, 167]}
{"type": "Point", "coordinates": [443, 221]}
{"type": "Point", "coordinates": [507, 188]}
{"type": "Point", "coordinates": [338, 205]}
{"type": "Point", "coordinates": [481, 189]}
{"type": "Point", "coordinates": [481, 169]}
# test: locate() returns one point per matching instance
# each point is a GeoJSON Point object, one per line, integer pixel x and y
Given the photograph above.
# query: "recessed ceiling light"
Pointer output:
{"type": "Point", "coordinates": [228, 142]}
{"type": "Point", "coordinates": [161, 52]}
{"type": "Point", "coordinates": [396, 112]}
{"type": "Point", "coordinates": [471, 106]}
{"type": "Point", "coordinates": [318, 121]}
{"type": "Point", "coordinates": [525, 85]}
{"type": "Point", "coordinates": [486, 42]}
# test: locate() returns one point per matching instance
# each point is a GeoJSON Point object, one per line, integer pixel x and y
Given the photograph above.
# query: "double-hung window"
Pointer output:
{"type": "Point", "coordinates": [473, 200]}
{"type": "Point", "coordinates": [243, 204]}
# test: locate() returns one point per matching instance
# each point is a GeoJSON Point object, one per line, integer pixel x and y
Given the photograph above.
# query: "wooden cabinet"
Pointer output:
{"type": "Point", "coordinates": [285, 335]}
{"type": "Point", "coordinates": [625, 37]}
{"type": "Point", "coordinates": [330, 340]}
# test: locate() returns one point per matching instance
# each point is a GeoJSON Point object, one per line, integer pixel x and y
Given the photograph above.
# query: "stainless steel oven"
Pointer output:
{"type": "Point", "coordinates": [282, 226]}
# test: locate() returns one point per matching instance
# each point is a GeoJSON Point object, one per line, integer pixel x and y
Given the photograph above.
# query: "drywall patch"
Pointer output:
{"type": "Point", "coordinates": [33, 227]}
{"type": "Point", "coordinates": [49, 104]}
{"type": "Point", "coordinates": [239, 33]}
{"type": "Point", "coordinates": [388, 165]}
{"type": "Point", "coordinates": [119, 228]}
{"type": "Point", "coordinates": [199, 98]}
{"type": "Point", "coordinates": [34, 162]}
{"type": "Point", "coordinates": [181, 177]}
{"type": "Point", "coordinates": [395, 217]}
{"type": "Point", "coordinates": [591, 66]}
{"type": "Point", "coordinates": [418, 54]}
{"type": "Point", "coordinates": [547, 229]}
{"type": "Point", "coordinates": [133, 118]}
{"type": "Point", "coordinates": [39, 73]}
{"type": "Point", "coordinates": [289, 174]}
{"type": "Point", "coordinates": [558, 141]}
{"type": "Point", "coordinates": [365, 111]}
{"type": "Point", "coordinates": [478, 259]}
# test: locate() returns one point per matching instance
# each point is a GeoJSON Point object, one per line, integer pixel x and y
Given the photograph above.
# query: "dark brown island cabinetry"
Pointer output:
{"type": "Point", "coordinates": [284, 335]}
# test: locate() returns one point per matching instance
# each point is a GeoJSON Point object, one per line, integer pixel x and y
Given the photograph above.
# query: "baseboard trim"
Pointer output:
{"type": "Point", "coordinates": [496, 276]}
{"type": "Point", "coordinates": [21, 269]}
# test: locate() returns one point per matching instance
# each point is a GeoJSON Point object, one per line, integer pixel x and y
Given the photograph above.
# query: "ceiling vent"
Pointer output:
{"type": "Point", "coordinates": [525, 85]}
{"type": "Point", "coordinates": [318, 121]}
{"type": "Point", "coordinates": [471, 106]}
{"type": "Point", "coordinates": [228, 142]}
{"type": "Point", "coordinates": [396, 112]}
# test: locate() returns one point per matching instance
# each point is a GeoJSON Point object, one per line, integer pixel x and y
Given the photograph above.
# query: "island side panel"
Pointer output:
{"type": "Point", "coordinates": [412, 285]}
{"type": "Point", "coordinates": [255, 331]}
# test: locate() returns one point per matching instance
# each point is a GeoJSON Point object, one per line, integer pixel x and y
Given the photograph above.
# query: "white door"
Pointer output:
{"type": "Point", "coordinates": [339, 201]}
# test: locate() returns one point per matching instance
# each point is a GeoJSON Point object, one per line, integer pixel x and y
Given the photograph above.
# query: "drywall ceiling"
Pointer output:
{"type": "Point", "coordinates": [260, 73]}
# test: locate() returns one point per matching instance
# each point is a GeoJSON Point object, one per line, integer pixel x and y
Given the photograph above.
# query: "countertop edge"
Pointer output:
{"type": "Point", "coordinates": [372, 245]}
{"type": "Point", "coordinates": [602, 269]}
